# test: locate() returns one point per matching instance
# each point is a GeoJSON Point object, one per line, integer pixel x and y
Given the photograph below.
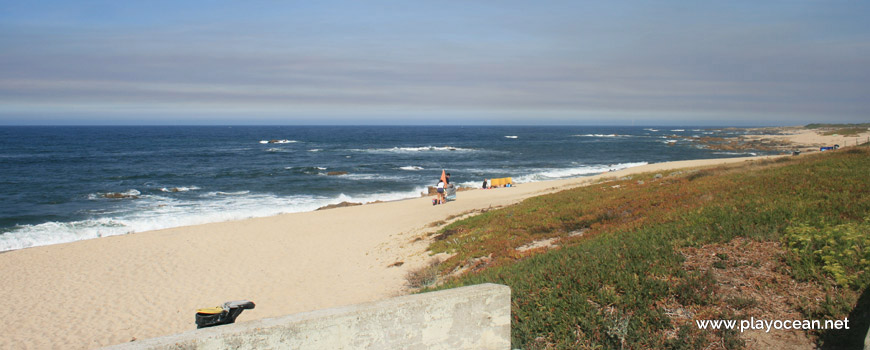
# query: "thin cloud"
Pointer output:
{"type": "Point", "coordinates": [565, 59]}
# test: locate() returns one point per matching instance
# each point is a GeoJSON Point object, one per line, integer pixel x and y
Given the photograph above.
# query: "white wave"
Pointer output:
{"type": "Point", "coordinates": [678, 130]}
{"type": "Point", "coordinates": [162, 213]}
{"type": "Point", "coordinates": [179, 189]}
{"type": "Point", "coordinates": [562, 173]}
{"type": "Point", "coordinates": [371, 177]}
{"type": "Point", "coordinates": [412, 168]}
{"type": "Point", "coordinates": [382, 196]}
{"type": "Point", "coordinates": [600, 135]}
{"type": "Point", "coordinates": [416, 149]}
{"type": "Point", "coordinates": [511, 137]}
{"type": "Point", "coordinates": [321, 168]}
{"type": "Point", "coordinates": [650, 129]}
{"type": "Point", "coordinates": [315, 150]}
{"type": "Point", "coordinates": [670, 141]}
{"type": "Point", "coordinates": [131, 193]}
{"type": "Point", "coordinates": [277, 141]}
{"type": "Point", "coordinates": [737, 153]}
{"type": "Point", "coordinates": [222, 193]}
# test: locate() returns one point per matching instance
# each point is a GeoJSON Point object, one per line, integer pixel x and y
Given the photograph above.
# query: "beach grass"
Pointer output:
{"type": "Point", "coordinates": [854, 131]}
{"type": "Point", "coordinates": [616, 278]}
{"type": "Point", "coordinates": [839, 126]}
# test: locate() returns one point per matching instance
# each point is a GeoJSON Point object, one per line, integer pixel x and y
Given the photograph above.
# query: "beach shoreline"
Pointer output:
{"type": "Point", "coordinates": [116, 289]}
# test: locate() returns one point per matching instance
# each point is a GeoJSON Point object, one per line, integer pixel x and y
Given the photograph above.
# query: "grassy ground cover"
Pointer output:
{"type": "Point", "coordinates": [615, 276]}
{"type": "Point", "coordinates": [818, 125]}
{"type": "Point", "coordinates": [846, 131]}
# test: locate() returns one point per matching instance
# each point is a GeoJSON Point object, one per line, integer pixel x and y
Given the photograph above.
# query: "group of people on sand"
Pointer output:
{"type": "Point", "coordinates": [444, 188]}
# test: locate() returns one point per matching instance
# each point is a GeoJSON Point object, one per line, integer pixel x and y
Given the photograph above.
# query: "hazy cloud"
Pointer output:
{"type": "Point", "coordinates": [786, 63]}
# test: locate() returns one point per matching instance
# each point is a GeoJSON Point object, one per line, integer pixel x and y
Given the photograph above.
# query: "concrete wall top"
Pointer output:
{"type": "Point", "coordinates": [473, 317]}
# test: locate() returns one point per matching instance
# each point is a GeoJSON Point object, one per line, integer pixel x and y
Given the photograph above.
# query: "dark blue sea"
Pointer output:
{"type": "Point", "coordinates": [64, 183]}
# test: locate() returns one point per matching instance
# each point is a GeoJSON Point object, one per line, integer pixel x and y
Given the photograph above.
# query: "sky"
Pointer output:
{"type": "Point", "coordinates": [434, 62]}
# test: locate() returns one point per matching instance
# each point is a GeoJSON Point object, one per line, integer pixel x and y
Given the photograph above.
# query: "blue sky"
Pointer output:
{"type": "Point", "coordinates": [444, 62]}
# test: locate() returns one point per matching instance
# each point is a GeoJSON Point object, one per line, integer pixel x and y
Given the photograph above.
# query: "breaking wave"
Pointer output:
{"type": "Point", "coordinates": [563, 173]}
{"type": "Point", "coordinates": [155, 213]}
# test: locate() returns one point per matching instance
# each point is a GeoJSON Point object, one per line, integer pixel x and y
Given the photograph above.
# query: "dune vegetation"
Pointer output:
{"type": "Point", "coordinates": [633, 262]}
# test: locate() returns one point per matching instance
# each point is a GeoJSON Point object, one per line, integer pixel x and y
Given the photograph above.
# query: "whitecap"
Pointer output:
{"type": "Point", "coordinates": [415, 149]}
{"type": "Point", "coordinates": [179, 189]}
{"type": "Point", "coordinates": [222, 193]}
{"type": "Point", "coordinates": [277, 141]}
{"type": "Point", "coordinates": [129, 194]}
{"type": "Point", "coordinates": [599, 135]}
{"type": "Point", "coordinates": [411, 168]}
{"type": "Point", "coordinates": [511, 137]}
{"type": "Point", "coordinates": [737, 153]}
{"type": "Point", "coordinates": [154, 214]}
{"type": "Point", "coordinates": [562, 173]}
{"type": "Point", "coordinates": [372, 177]}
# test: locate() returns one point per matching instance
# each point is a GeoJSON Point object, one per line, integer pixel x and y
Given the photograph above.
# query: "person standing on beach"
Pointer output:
{"type": "Point", "coordinates": [442, 184]}
{"type": "Point", "coordinates": [440, 189]}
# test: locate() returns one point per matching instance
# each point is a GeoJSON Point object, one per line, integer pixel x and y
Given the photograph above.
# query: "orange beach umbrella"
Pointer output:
{"type": "Point", "coordinates": [443, 176]}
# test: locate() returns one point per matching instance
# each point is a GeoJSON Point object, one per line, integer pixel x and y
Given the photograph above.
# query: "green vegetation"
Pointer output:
{"type": "Point", "coordinates": [845, 131]}
{"type": "Point", "coordinates": [819, 126]}
{"type": "Point", "coordinates": [618, 278]}
{"type": "Point", "coordinates": [841, 251]}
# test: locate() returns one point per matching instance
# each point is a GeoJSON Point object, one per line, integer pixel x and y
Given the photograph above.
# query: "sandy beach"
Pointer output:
{"type": "Point", "coordinates": [111, 290]}
{"type": "Point", "coordinates": [810, 140]}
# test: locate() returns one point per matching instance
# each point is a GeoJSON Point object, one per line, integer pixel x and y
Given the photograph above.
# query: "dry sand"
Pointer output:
{"type": "Point", "coordinates": [811, 140]}
{"type": "Point", "coordinates": [112, 290]}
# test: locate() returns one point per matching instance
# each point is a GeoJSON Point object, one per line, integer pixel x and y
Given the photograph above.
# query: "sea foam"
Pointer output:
{"type": "Point", "coordinates": [601, 135]}
{"type": "Point", "coordinates": [415, 149]}
{"type": "Point", "coordinates": [155, 213]}
{"type": "Point", "coordinates": [562, 173]}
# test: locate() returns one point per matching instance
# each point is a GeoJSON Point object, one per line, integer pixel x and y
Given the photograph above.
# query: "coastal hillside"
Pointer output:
{"type": "Point", "coordinates": [635, 262]}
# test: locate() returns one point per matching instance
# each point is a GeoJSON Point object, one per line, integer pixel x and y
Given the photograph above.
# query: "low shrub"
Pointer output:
{"type": "Point", "coordinates": [610, 288]}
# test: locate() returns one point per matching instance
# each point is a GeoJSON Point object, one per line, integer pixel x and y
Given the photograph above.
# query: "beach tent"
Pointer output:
{"type": "Point", "coordinates": [500, 182]}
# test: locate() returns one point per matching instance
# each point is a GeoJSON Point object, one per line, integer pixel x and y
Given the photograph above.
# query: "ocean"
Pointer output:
{"type": "Point", "coordinates": [67, 183]}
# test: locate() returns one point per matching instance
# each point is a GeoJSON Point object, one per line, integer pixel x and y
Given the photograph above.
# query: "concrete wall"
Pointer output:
{"type": "Point", "coordinates": [474, 317]}
{"type": "Point", "coordinates": [867, 340]}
